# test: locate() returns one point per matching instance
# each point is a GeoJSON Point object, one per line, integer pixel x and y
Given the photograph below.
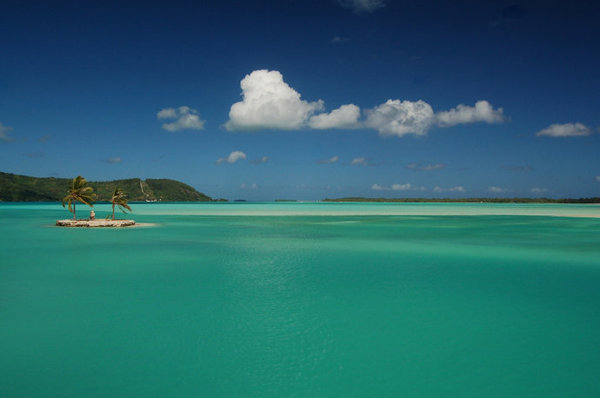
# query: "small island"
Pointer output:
{"type": "Point", "coordinates": [95, 223]}
{"type": "Point", "coordinates": [81, 192]}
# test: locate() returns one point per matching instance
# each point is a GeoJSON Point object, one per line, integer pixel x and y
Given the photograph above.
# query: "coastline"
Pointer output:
{"type": "Point", "coordinates": [348, 209]}
{"type": "Point", "coordinates": [282, 209]}
{"type": "Point", "coordinates": [70, 223]}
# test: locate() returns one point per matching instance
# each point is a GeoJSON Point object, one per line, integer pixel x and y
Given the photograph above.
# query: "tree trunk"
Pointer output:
{"type": "Point", "coordinates": [74, 214]}
{"type": "Point", "coordinates": [113, 211]}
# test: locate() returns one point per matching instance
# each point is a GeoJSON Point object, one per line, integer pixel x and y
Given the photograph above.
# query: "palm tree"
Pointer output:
{"type": "Point", "coordinates": [119, 199]}
{"type": "Point", "coordinates": [79, 192]}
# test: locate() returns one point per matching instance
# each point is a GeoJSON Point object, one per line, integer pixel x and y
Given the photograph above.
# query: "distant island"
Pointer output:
{"type": "Point", "coordinates": [19, 188]}
{"type": "Point", "coordinates": [466, 200]}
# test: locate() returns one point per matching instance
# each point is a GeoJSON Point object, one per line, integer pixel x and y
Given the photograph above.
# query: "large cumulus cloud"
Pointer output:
{"type": "Point", "coordinates": [270, 103]}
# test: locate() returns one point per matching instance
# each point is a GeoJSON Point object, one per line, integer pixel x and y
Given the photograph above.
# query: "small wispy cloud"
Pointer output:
{"type": "Point", "coordinates": [185, 118]}
{"type": "Point", "coordinates": [4, 130]}
{"type": "Point", "coordinates": [338, 39]}
{"type": "Point", "coordinates": [425, 167]}
{"type": "Point", "coordinates": [465, 114]}
{"type": "Point", "coordinates": [397, 187]}
{"type": "Point", "coordinates": [401, 187]}
{"type": "Point", "coordinates": [250, 186]}
{"type": "Point", "coordinates": [598, 178]}
{"type": "Point", "coordinates": [361, 6]}
{"type": "Point", "coordinates": [458, 188]}
{"type": "Point", "coordinates": [232, 158]}
{"type": "Point", "coordinates": [332, 159]}
{"type": "Point", "coordinates": [114, 160]}
{"type": "Point", "coordinates": [539, 190]}
{"type": "Point", "coordinates": [518, 168]}
{"type": "Point", "coordinates": [261, 160]}
{"type": "Point", "coordinates": [565, 130]}
{"type": "Point", "coordinates": [495, 189]}
{"type": "Point", "coordinates": [34, 155]}
{"type": "Point", "coordinates": [44, 138]}
{"type": "Point", "coordinates": [359, 162]}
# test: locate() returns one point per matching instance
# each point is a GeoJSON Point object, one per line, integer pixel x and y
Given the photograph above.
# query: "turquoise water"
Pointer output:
{"type": "Point", "coordinates": [302, 300]}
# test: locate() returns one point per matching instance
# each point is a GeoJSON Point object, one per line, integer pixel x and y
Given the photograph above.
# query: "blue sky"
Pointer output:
{"type": "Point", "coordinates": [262, 100]}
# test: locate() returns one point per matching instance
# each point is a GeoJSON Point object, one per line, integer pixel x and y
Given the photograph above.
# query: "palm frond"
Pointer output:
{"type": "Point", "coordinates": [124, 207]}
{"type": "Point", "coordinates": [79, 192]}
{"type": "Point", "coordinates": [120, 199]}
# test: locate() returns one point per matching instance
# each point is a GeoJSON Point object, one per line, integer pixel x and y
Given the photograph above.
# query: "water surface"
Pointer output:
{"type": "Point", "coordinates": [302, 300]}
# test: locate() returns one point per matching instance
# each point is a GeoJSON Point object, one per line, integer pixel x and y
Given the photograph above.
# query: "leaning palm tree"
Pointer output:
{"type": "Point", "coordinates": [79, 192]}
{"type": "Point", "coordinates": [119, 199]}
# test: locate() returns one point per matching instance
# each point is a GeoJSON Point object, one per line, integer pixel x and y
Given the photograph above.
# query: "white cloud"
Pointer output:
{"type": "Point", "coordinates": [269, 103]}
{"type": "Point", "coordinates": [44, 138]}
{"type": "Point", "coordinates": [345, 117]}
{"type": "Point", "coordinates": [252, 186]}
{"type": "Point", "coordinates": [338, 39]}
{"type": "Point", "coordinates": [261, 160]}
{"type": "Point", "coordinates": [598, 178]}
{"type": "Point", "coordinates": [452, 189]}
{"type": "Point", "coordinates": [362, 5]}
{"type": "Point", "coordinates": [463, 114]}
{"type": "Point", "coordinates": [186, 118]}
{"type": "Point", "coordinates": [496, 189]}
{"type": "Point", "coordinates": [332, 159]}
{"type": "Point", "coordinates": [359, 162]}
{"type": "Point", "coordinates": [233, 157]}
{"type": "Point", "coordinates": [399, 118]}
{"type": "Point", "coordinates": [425, 167]}
{"type": "Point", "coordinates": [34, 155]}
{"type": "Point", "coordinates": [539, 190]}
{"type": "Point", "coordinates": [114, 160]}
{"type": "Point", "coordinates": [565, 130]}
{"type": "Point", "coordinates": [167, 113]}
{"type": "Point", "coordinates": [401, 187]}
{"type": "Point", "coordinates": [4, 133]}
{"type": "Point", "coordinates": [397, 187]}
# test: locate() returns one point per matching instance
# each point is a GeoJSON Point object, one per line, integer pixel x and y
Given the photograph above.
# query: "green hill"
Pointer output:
{"type": "Point", "coordinates": [18, 188]}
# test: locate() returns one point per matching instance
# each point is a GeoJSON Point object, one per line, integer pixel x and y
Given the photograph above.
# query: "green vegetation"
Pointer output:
{"type": "Point", "coordinates": [119, 199]}
{"type": "Point", "coordinates": [18, 188]}
{"type": "Point", "coordinates": [79, 192]}
{"type": "Point", "coordinates": [467, 200]}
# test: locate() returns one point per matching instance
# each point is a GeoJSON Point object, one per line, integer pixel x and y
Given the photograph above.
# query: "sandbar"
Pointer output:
{"type": "Point", "coordinates": [95, 223]}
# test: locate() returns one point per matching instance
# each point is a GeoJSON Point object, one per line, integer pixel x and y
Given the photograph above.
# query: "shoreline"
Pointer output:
{"type": "Point", "coordinates": [87, 223]}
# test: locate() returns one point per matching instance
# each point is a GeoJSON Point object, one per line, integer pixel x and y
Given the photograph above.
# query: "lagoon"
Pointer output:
{"type": "Point", "coordinates": [302, 299]}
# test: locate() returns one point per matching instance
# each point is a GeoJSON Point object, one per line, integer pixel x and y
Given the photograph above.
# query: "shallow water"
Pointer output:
{"type": "Point", "coordinates": [338, 300]}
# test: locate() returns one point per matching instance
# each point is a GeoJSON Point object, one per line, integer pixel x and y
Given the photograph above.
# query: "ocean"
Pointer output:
{"type": "Point", "coordinates": [302, 300]}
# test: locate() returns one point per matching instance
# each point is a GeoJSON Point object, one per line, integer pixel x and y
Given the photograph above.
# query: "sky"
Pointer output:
{"type": "Point", "coordinates": [282, 99]}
